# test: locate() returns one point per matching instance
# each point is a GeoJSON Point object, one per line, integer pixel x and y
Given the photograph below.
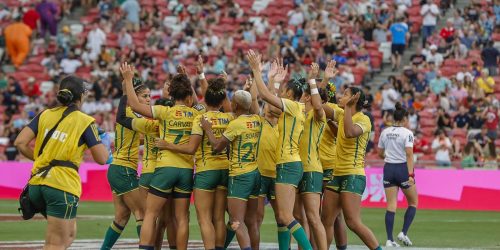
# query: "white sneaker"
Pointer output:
{"type": "Point", "coordinates": [404, 238]}
{"type": "Point", "coordinates": [391, 244]}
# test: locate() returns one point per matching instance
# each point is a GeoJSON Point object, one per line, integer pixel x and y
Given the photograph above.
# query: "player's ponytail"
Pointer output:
{"type": "Point", "coordinates": [216, 92]}
{"type": "Point", "coordinates": [400, 113]}
{"type": "Point", "coordinates": [71, 89]}
{"type": "Point", "coordinates": [298, 86]}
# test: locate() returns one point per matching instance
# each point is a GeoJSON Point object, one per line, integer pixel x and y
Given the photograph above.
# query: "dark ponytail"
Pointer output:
{"type": "Point", "coordinates": [138, 85]}
{"type": "Point", "coordinates": [298, 86]}
{"type": "Point", "coordinates": [216, 92]}
{"type": "Point", "coordinates": [400, 113]}
{"type": "Point", "coordinates": [71, 89]}
{"type": "Point", "coordinates": [180, 87]}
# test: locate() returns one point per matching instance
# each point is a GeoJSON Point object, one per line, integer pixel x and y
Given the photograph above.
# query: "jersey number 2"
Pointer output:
{"type": "Point", "coordinates": [249, 153]}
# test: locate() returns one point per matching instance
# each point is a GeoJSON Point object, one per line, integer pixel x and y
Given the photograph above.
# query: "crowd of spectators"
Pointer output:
{"type": "Point", "coordinates": [158, 35]}
{"type": "Point", "coordinates": [451, 87]}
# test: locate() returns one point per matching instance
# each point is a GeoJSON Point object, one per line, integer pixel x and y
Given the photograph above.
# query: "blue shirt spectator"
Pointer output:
{"type": "Point", "coordinates": [398, 31]}
{"type": "Point", "coordinates": [439, 84]}
{"type": "Point", "coordinates": [132, 8]}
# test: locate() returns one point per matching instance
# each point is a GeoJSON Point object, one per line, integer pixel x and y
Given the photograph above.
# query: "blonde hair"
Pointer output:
{"type": "Point", "coordinates": [243, 99]}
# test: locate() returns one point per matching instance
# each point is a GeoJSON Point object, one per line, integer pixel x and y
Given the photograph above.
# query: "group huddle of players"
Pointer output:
{"type": "Point", "coordinates": [303, 151]}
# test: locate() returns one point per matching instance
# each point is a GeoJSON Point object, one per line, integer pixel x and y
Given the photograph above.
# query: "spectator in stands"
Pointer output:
{"type": "Point", "coordinates": [31, 18]}
{"type": "Point", "coordinates": [420, 84]}
{"type": "Point", "coordinates": [476, 121]}
{"type": "Point", "coordinates": [444, 121]}
{"type": "Point", "coordinates": [491, 114]}
{"type": "Point", "coordinates": [418, 59]}
{"type": "Point", "coordinates": [439, 84]}
{"type": "Point", "coordinates": [421, 145]}
{"type": "Point", "coordinates": [430, 13]}
{"type": "Point", "coordinates": [463, 73]}
{"type": "Point", "coordinates": [125, 39]}
{"type": "Point", "coordinates": [475, 92]}
{"type": "Point", "coordinates": [442, 146]}
{"type": "Point", "coordinates": [462, 119]}
{"type": "Point", "coordinates": [66, 40]}
{"type": "Point", "coordinates": [458, 50]}
{"type": "Point", "coordinates": [486, 82]}
{"type": "Point", "coordinates": [434, 56]}
{"type": "Point", "coordinates": [132, 9]}
{"type": "Point", "coordinates": [48, 17]}
{"type": "Point", "coordinates": [17, 38]}
{"type": "Point", "coordinates": [32, 89]}
{"type": "Point", "coordinates": [389, 98]}
{"type": "Point", "coordinates": [490, 56]}
{"type": "Point", "coordinates": [95, 39]}
{"type": "Point", "coordinates": [105, 8]}
{"type": "Point", "coordinates": [468, 158]}
{"type": "Point", "coordinates": [399, 32]}
{"type": "Point", "coordinates": [481, 141]}
{"type": "Point", "coordinates": [448, 32]}
{"type": "Point", "coordinates": [71, 64]}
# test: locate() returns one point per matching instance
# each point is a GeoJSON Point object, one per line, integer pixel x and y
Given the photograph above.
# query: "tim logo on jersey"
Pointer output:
{"type": "Point", "coordinates": [253, 124]}
{"type": "Point", "coordinates": [180, 113]}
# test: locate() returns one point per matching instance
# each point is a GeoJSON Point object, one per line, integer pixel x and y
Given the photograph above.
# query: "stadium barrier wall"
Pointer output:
{"type": "Point", "coordinates": [438, 188]}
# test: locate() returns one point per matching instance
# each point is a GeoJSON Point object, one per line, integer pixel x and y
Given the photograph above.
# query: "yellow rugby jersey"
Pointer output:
{"type": "Point", "coordinates": [243, 133]}
{"type": "Point", "coordinates": [127, 141]}
{"type": "Point", "coordinates": [328, 145]}
{"type": "Point", "coordinates": [351, 151]}
{"type": "Point", "coordinates": [150, 130]}
{"type": "Point", "coordinates": [309, 143]}
{"type": "Point", "coordinates": [206, 159]}
{"type": "Point", "coordinates": [64, 145]}
{"type": "Point", "coordinates": [175, 127]}
{"type": "Point", "coordinates": [266, 154]}
{"type": "Point", "coordinates": [290, 126]}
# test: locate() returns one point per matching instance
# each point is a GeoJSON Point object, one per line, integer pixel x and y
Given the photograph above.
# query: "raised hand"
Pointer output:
{"type": "Point", "coordinates": [254, 59]}
{"type": "Point", "coordinates": [199, 65]}
{"type": "Point", "coordinates": [314, 71]}
{"type": "Point", "coordinates": [223, 75]}
{"type": "Point", "coordinates": [273, 70]}
{"type": "Point", "coordinates": [353, 100]}
{"type": "Point", "coordinates": [248, 84]}
{"type": "Point", "coordinates": [330, 70]}
{"type": "Point", "coordinates": [127, 71]}
{"type": "Point", "coordinates": [282, 72]}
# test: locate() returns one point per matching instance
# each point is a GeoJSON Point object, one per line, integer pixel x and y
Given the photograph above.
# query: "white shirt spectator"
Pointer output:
{"type": "Point", "coordinates": [443, 152]}
{"type": "Point", "coordinates": [4, 13]}
{"type": "Point", "coordinates": [389, 99]}
{"type": "Point", "coordinates": [89, 108]}
{"type": "Point", "coordinates": [430, 12]}
{"type": "Point", "coordinates": [394, 140]}
{"type": "Point", "coordinates": [363, 7]}
{"type": "Point", "coordinates": [125, 40]}
{"type": "Point", "coordinates": [103, 106]}
{"type": "Point", "coordinates": [413, 121]}
{"type": "Point", "coordinates": [348, 76]}
{"type": "Point", "coordinates": [437, 58]}
{"type": "Point", "coordinates": [461, 76]}
{"type": "Point", "coordinates": [296, 17]}
{"type": "Point", "coordinates": [95, 39]}
{"type": "Point", "coordinates": [69, 66]}
{"type": "Point", "coordinates": [260, 25]}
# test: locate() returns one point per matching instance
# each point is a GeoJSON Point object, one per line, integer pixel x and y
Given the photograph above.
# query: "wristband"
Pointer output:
{"type": "Point", "coordinates": [312, 82]}
{"type": "Point", "coordinates": [314, 91]}
{"type": "Point", "coordinates": [201, 76]}
{"type": "Point", "coordinates": [412, 175]}
{"type": "Point", "coordinates": [277, 85]}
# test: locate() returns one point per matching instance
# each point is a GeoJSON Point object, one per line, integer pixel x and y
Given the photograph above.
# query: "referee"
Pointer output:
{"type": "Point", "coordinates": [396, 147]}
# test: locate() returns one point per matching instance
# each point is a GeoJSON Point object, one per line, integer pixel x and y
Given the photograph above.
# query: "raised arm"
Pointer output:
{"type": "Point", "coordinates": [121, 114]}
{"type": "Point", "coordinates": [186, 148]}
{"type": "Point", "coordinates": [217, 144]}
{"type": "Point", "coordinates": [201, 75]}
{"type": "Point", "coordinates": [128, 74]}
{"type": "Point", "coordinates": [330, 72]}
{"type": "Point", "coordinates": [319, 114]}
{"type": "Point", "coordinates": [351, 130]}
{"type": "Point", "coordinates": [265, 94]}
{"type": "Point", "coordinates": [250, 87]}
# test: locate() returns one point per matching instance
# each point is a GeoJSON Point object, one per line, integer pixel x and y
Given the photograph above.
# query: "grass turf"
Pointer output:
{"type": "Point", "coordinates": [462, 229]}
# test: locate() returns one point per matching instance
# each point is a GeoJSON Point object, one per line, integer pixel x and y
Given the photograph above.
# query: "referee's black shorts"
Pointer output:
{"type": "Point", "coordinates": [396, 175]}
{"type": "Point", "coordinates": [398, 49]}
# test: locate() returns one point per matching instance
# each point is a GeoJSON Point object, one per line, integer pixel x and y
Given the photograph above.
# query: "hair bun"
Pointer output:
{"type": "Point", "coordinates": [65, 97]}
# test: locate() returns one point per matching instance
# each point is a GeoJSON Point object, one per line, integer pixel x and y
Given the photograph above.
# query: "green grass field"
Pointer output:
{"type": "Point", "coordinates": [430, 229]}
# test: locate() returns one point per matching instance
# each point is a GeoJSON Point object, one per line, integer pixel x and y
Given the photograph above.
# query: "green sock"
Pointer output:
{"type": "Point", "coordinates": [112, 234]}
{"type": "Point", "coordinates": [230, 233]}
{"type": "Point", "coordinates": [300, 235]}
{"type": "Point", "coordinates": [378, 248]}
{"type": "Point", "coordinates": [283, 237]}
{"type": "Point", "coordinates": [138, 224]}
